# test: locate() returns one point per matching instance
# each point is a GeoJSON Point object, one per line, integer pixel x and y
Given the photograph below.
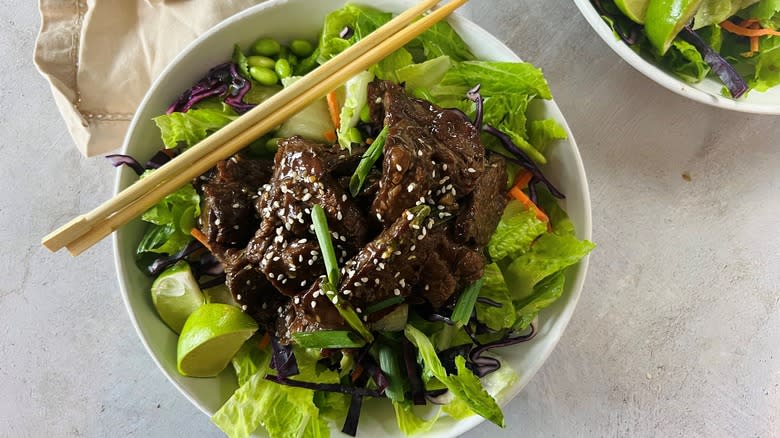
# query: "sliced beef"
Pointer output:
{"type": "Point", "coordinates": [228, 218]}
{"type": "Point", "coordinates": [285, 246]}
{"type": "Point", "coordinates": [309, 311]}
{"type": "Point", "coordinates": [481, 211]}
{"type": "Point", "coordinates": [251, 289]}
{"type": "Point", "coordinates": [431, 155]}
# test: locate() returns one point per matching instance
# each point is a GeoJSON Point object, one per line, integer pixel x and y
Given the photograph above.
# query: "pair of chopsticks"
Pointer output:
{"type": "Point", "coordinates": [86, 230]}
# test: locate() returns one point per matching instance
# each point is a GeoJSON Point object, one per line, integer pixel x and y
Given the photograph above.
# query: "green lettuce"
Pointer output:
{"type": "Point", "coordinates": [544, 294]}
{"type": "Point", "coordinates": [194, 125]}
{"type": "Point", "coordinates": [283, 411]}
{"type": "Point", "coordinates": [767, 66]}
{"type": "Point", "coordinates": [409, 422]}
{"type": "Point", "coordinates": [496, 384]}
{"type": "Point", "coordinates": [685, 60]}
{"type": "Point", "coordinates": [715, 11]}
{"type": "Point", "coordinates": [496, 78]}
{"type": "Point", "coordinates": [425, 74]}
{"type": "Point", "coordinates": [355, 99]}
{"type": "Point", "coordinates": [767, 11]}
{"type": "Point", "coordinates": [173, 218]}
{"type": "Point", "coordinates": [550, 253]}
{"type": "Point", "coordinates": [464, 385]}
{"type": "Point", "coordinates": [494, 288]}
{"type": "Point", "coordinates": [516, 230]}
{"type": "Point", "coordinates": [541, 133]}
{"type": "Point", "coordinates": [387, 68]}
{"type": "Point", "coordinates": [362, 20]}
{"type": "Point", "coordinates": [442, 40]}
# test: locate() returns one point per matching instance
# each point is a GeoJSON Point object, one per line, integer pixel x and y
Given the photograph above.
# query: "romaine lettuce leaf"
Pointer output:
{"type": "Point", "coordinates": [516, 230]}
{"type": "Point", "coordinates": [442, 40]}
{"type": "Point", "coordinates": [409, 422]}
{"type": "Point", "coordinates": [495, 383]}
{"type": "Point", "coordinates": [425, 74]}
{"type": "Point", "coordinates": [494, 288]}
{"type": "Point", "coordinates": [715, 11]}
{"type": "Point", "coordinates": [495, 78]}
{"type": "Point", "coordinates": [283, 411]}
{"type": "Point", "coordinates": [464, 385]}
{"type": "Point", "coordinates": [362, 20]}
{"type": "Point", "coordinates": [549, 254]}
{"type": "Point", "coordinates": [174, 216]}
{"type": "Point", "coordinates": [545, 293]}
{"type": "Point", "coordinates": [767, 66]}
{"type": "Point", "coordinates": [249, 360]}
{"type": "Point", "coordinates": [386, 68]}
{"type": "Point", "coordinates": [194, 125]}
{"type": "Point", "coordinates": [684, 60]}
{"type": "Point", "coordinates": [543, 132]}
{"type": "Point", "coordinates": [355, 99]}
{"type": "Point", "coordinates": [767, 11]}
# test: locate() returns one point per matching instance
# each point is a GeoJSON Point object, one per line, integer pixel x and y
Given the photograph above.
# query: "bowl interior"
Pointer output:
{"type": "Point", "coordinates": [274, 19]}
{"type": "Point", "coordinates": [708, 91]}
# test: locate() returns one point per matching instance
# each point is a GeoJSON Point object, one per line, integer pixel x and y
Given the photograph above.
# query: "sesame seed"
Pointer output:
{"type": "Point", "coordinates": [248, 282]}
{"type": "Point", "coordinates": [381, 266]}
{"type": "Point", "coordinates": [238, 297]}
{"type": "Point", "coordinates": [284, 281]}
{"type": "Point", "coordinates": [398, 167]}
{"type": "Point", "coordinates": [277, 258]}
{"type": "Point", "coordinates": [412, 247]}
{"type": "Point", "coordinates": [358, 284]}
{"type": "Point", "coordinates": [346, 292]}
{"type": "Point", "coordinates": [302, 241]}
{"type": "Point", "coordinates": [269, 255]}
{"type": "Point", "coordinates": [376, 281]}
{"type": "Point", "coordinates": [279, 310]}
{"type": "Point", "coordinates": [397, 291]}
{"type": "Point", "coordinates": [410, 187]}
{"type": "Point", "coordinates": [303, 283]}
{"type": "Point", "coordinates": [396, 275]}
{"type": "Point", "coordinates": [365, 279]}
{"type": "Point", "coordinates": [313, 304]}
{"type": "Point", "coordinates": [427, 287]}
{"type": "Point", "coordinates": [365, 318]}
{"type": "Point", "coordinates": [296, 300]}
{"type": "Point", "coordinates": [471, 170]}
{"type": "Point", "coordinates": [306, 197]}
{"type": "Point", "coordinates": [415, 226]}
{"type": "Point", "coordinates": [243, 307]}
{"type": "Point", "coordinates": [379, 216]}
{"type": "Point", "coordinates": [235, 227]}
{"type": "Point", "coordinates": [265, 306]}
{"type": "Point", "coordinates": [444, 166]}
{"type": "Point", "coordinates": [300, 258]}
{"type": "Point", "coordinates": [335, 300]}
{"type": "Point", "coordinates": [343, 238]}
{"type": "Point", "coordinates": [271, 275]}
{"type": "Point", "coordinates": [396, 252]}
{"type": "Point", "coordinates": [411, 257]}
{"type": "Point", "coordinates": [419, 153]}
{"type": "Point", "coordinates": [402, 282]}
{"type": "Point", "coordinates": [344, 198]}
{"type": "Point", "coordinates": [217, 222]}
{"type": "Point", "coordinates": [409, 216]}
{"type": "Point", "coordinates": [311, 262]}
{"type": "Point", "coordinates": [339, 216]}
{"type": "Point", "coordinates": [279, 239]}
{"type": "Point", "coordinates": [358, 310]}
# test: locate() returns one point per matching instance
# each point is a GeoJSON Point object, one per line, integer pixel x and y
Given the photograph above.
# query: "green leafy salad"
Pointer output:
{"type": "Point", "coordinates": [384, 243]}
{"type": "Point", "coordinates": [737, 41]}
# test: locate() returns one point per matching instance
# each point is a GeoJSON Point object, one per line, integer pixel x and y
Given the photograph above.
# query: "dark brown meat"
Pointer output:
{"type": "Point", "coordinates": [251, 289]}
{"type": "Point", "coordinates": [481, 211]}
{"type": "Point", "coordinates": [227, 217]}
{"type": "Point", "coordinates": [285, 246]}
{"type": "Point", "coordinates": [431, 155]}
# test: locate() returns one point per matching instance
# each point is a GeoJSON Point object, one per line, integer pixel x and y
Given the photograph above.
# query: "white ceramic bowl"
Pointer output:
{"type": "Point", "coordinates": [287, 19]}
{"type": "Point", "coordinates": [707, 91]}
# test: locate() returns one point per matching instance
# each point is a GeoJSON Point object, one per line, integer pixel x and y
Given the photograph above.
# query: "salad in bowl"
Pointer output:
{"type": "Point", "coordinates": [387, 249]}
{"type": "Point", "coordinates": [720, 52]}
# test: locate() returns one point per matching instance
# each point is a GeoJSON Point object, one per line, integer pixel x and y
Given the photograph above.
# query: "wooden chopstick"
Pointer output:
{"type": "Point", "coordinates": [86, 230]}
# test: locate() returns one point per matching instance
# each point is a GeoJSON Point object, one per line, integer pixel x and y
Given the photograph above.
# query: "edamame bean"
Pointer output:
{"type": "Point", "coordinates": [301, 48]}
{"type": "Point", "coordinates": [266, 47]}
{"type": "Point", "coordinates": [265, 76]}
{"type": "Point", "coordinates": [260, 61]}
{"type": "Point", "coordinates": [283, 68]}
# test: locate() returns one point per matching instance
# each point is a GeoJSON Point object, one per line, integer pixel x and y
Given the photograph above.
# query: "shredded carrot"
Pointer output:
{"type": "Point", "coordinates": [197, 234]}
{"type": "Point", "coordinates": [750, 23]}
{"type": "Point", "coordinates": [523, 179]}
{"type": "Point", "coordinates": [264, 341]}
{"type": "Point", "coordinates": [744, 31]}
{"type": "Point", "coordinates": [357, 372]}
{"type": "Point", "coordinates": [754, 44]}
{"type": "Point", "coordinates": [169, 153]}
{"type": "Point", "coordinates": [525, 200]}
{"type": "Point", "coordinates": [330, 135]}
{"type": "Point", "coordinates": [333, 108]}
{"type": "Point", "coordinates": [369, 140]}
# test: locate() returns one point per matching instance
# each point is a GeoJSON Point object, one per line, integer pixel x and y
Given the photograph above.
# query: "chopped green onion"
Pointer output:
{"type": "Point", "coordinates": [346, 310]}
{"type": "Point", "coordinates": [384, 304]}
{"type": "Point", "coordinates": [328, 339]}
{"type": "Point", "coordinates": [367, 162]}
{"type": "Point", "coordinates": [320, 222]}
{"type": "Point", "coordinates": [390, 364]}
{"type": "Point", "coordinates": [465, 305]}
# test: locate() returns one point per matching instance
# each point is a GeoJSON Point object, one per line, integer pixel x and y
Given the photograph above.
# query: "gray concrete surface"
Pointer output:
{"type": "Point", "coordinates": [677, 332]}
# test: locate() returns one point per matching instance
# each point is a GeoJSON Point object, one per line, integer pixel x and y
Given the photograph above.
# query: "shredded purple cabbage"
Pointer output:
{"type": "Point", "coordinates": [413, 373]}
{"type": "Point", "coordinates": [725, 71]}
{"type": "Point", "coordinates": [353, 415]}
{"type": "Point", "coordinates": [489, 302]}
{"type": "Point", "coordinates": [630, 36]}
{"type": "Point", "coordinates": [209, 265]}
{"type": "Point", "coordinates": [216, 281]}
{"type": "Point", "coordinates": [118, 160]}
{"type": "Point", "coordinates": [220, 80]}
{"type": "Point", "coordinates": [161, 263]}
{"type": "Point", "coordinates": [522, 159]}
{"type": "Point", "coordinates": [326, 387]}
{"type": "Point", "coordinates": [484, 365]}
{"type": "Point", "coordinates": [157, 160]}
{"type": "Point", "coordinates": [283, 359]}
{"type": "Point", "coordinates": [474, 96]}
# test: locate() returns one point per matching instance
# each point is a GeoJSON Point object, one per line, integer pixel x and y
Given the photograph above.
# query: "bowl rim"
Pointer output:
{"type": "Point", "coordinates": [663, 78]}
{"type": "Point", "coordinates": [584, 232]}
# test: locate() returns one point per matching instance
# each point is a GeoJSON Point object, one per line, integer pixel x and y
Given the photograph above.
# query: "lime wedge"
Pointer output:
{"type": "Point", "coordinates": [176, 294]}
{"type": "Point", "coordinates": [211, 337]}
{"type": "Point", "coordinates": [633, 9]}
{"type": "Point", "coordinates": [666, 18]}
{"type": "Point", "coordinates": [220, 294]}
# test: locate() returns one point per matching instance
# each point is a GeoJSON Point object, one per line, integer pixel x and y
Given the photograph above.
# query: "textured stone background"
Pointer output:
{"type": "Point", "coordinates": [676, 333]}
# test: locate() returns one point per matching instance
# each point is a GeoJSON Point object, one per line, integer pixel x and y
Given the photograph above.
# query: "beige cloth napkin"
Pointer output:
{"type": "Point", "coordinates": [100, 57]}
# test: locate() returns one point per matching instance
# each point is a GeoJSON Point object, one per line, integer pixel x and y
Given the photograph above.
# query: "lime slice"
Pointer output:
{"type": "Point", "coordinates": [220, 294]}
{"type": "Point", "coordinates": [666, 18]}
{"type": "Point", "coordinates": [176, 294]}
{"type": "Point", "coordinates": [633, 9]}
{"type": "Point", "coordinates": [211, 337]}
